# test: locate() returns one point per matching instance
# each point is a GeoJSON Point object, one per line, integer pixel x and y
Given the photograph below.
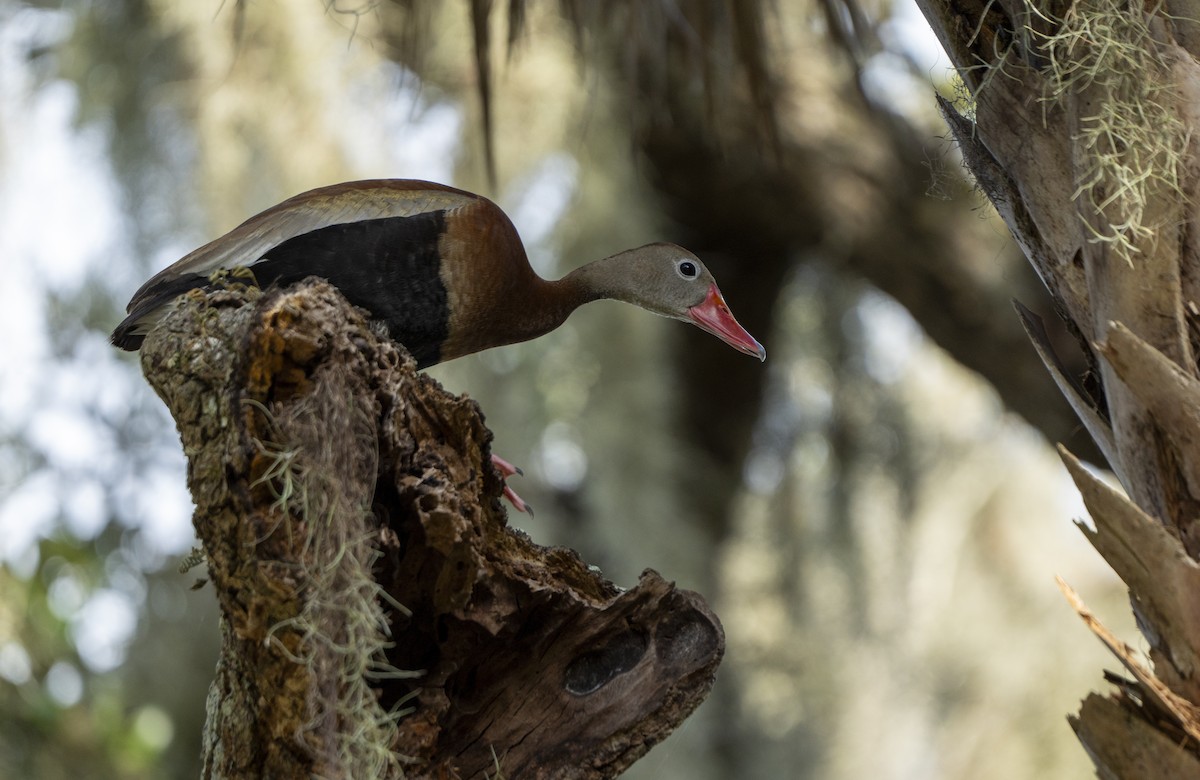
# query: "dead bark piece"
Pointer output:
{"type": "Point", "coordinates": [1089, 415]}
{"type": "Point", "coordinates": [1064, 281]}
{"type": "Point", "coordinates": [378, 617]}
{"type": "Point", "coordinates": [649, 645]}
{"type": "Point", "coordinates": [1167, 392]}
{"type": "Point", "coordinates": [1163, 580]}
{"type": "Point", "coordinates": [1122, 744]}
{"type": "Point", "coordinates": [1034, 160]}
{"type": "Point", "coordinates": [1155, 697]}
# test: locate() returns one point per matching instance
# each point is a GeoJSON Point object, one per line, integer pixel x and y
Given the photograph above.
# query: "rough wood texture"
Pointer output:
{"type": "Point", "coordinates": [1084, 135]}
{"type": "Point", "coordinates": [379, 617]}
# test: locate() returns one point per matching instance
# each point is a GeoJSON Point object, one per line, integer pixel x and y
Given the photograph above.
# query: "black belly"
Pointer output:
{"type": "Point", "coordinates": [390, 267]}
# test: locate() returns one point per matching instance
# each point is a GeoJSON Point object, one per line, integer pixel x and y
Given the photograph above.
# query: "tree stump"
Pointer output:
{"type": "Point", "coordinates": [379, 617]}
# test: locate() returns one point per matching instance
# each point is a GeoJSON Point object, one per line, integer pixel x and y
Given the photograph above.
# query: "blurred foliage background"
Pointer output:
{"type": "Point", "coordinates": [876, 513]}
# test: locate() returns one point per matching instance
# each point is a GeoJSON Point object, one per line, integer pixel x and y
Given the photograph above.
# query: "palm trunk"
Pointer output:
{"type": "Point", "coordinates": [1083, 134]}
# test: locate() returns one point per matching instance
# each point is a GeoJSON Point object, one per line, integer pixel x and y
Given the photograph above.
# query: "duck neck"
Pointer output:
{"type": "Point", "coordinates": [555, 300]}
{"type": "Point", "coordinates": [599, 279]}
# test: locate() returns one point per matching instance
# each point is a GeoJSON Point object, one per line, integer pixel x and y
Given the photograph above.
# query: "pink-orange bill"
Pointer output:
{"type": "Point", "coordinates": [713, 315]}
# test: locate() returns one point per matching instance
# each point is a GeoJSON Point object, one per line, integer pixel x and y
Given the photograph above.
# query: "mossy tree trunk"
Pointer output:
{"type": "Point", "coordinates": [1081, 128]}
{"type": "Point", "coordinates": [379, 619]}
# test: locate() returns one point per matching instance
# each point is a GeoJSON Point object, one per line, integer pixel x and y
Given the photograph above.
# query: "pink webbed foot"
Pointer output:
{"type": "Point", "coordinates": [507, 470]}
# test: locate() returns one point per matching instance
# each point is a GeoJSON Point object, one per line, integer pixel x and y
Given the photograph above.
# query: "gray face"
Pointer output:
{"type": "Point", "coordinates": [663, 278]}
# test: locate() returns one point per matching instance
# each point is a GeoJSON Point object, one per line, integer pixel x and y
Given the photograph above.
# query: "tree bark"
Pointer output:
{"type": "Point", "coordinates": [1084, 136]}
{"type": "Point", "coordinates": [379, 619]}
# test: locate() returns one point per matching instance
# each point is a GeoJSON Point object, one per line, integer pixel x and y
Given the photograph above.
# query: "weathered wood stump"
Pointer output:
{"type": "Point", "coordinates": [379, 617]}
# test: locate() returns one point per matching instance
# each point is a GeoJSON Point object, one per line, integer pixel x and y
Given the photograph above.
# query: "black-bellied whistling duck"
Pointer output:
{"type": "Point", "coordinates": [443, 269]}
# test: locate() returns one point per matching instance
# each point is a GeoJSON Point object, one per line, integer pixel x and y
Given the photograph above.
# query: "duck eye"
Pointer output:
{"type": "Point", "coordinates": [687, 269]}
